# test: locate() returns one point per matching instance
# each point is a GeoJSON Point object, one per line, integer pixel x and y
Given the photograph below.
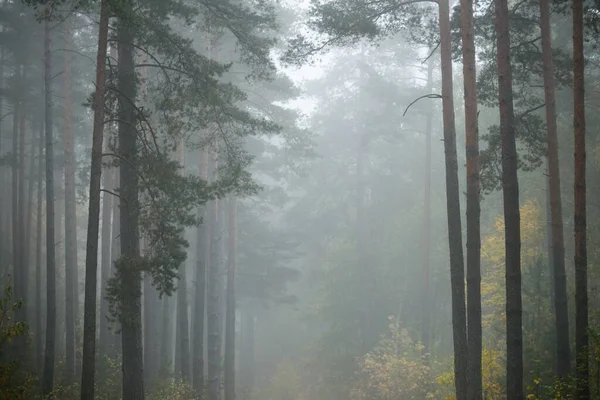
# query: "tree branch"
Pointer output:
{"type": "Point", "coordinates": [427, 96]}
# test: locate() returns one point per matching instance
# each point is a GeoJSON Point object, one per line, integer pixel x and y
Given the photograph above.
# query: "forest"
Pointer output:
{"type": "Point", "coordinates": [299, 199]}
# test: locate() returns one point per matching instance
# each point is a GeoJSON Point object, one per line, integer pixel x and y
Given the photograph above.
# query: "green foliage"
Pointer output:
{"type": "Point", "coordinates": [15, 383]}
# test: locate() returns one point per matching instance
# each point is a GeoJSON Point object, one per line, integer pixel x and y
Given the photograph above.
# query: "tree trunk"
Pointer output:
{"type": "Point", "coordinates": [29, 220]}
{"type": "Point", "coordinates": [106, 260]}
{"type": "Point", "coordinates": [247, 351]}
{"type": "Point", "coordinates": [152, 314]}
{"type": "Point", "coordinates": [71, 286]}
{"type": "Point", "coordinates": [22, 248]}
{"type": "Point", "coordinates": [563, 353]}
{"type": "Point", "coordinates": [128, 272]}
{"type": "Point", "coordinates": [425, 296]}
{"type": "Point", "coordinates": [165, 337]}
{"type": "Point", "coordinates": [39, 347]}
{"type": "Point", "coordinates": [580, 216]}
{"type": "Point", "coordinates": [214, 355]}
{"type": "Point", "coordinates": [230, 310]}
{"type": "Point", "coordinates": [512, 230]}
{"type": "Point", "coordinates": [15, 201]}
{"type": "Point", "coordinates": [48, 376]}
{"type": "Point", "coordinates": [183, 326]}
{"type": "Point", "coordinates": [115, 253]}
{"type": "Point", "coordinates": [202, 260]}
{"type": "Point", "coordinates": [457, 273]}
{"type": "Point", "coordinates": [91, 256]}
{"type": "Point", "coordinates": [474, 388]}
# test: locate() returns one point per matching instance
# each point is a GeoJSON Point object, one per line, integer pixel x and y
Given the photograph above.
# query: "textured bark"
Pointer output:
{"type": "Point", "coordinates": [580, 216]}
{"type": "Point", "coordinates": [128, 269]}
{"type": "Point", "coordinates": [165, 337]}
{"type": "Point", "coordinates": [39, 347]}
{"type": "Point", "coordinates": [91, 256]}
{"type": "Point", "coordinates": [563, 353]}
{"type": "Point", "coordinates": [202, 260]}
{"type": "Point", "coordinates": [71, 287]}
{"type": "Point", "coordinates": [22, 248]}
{"type": "Point", "coordinates": [230, 310]}
{"type": "Point", "coordinates": [425, 295]}
{"type": "Point", "coordinates": [106, 261]}
{"type": "Point", "coordinates": [48, 375]}
{"type": "Point", "coordinates": [457, 273]}
{"type": "Point", "coordinates": [183, 326]}
{"type": "Point", "coordinates": [213, 346]}
{"type": "Point", "coordinates": [474, 335]}
{"type": "Point", "coordinates": [512, 230]}
{"type": "Point", "coordinates": [31, 182]}
{"type": "Point", "coordinates": [115, 253]}
{"type": "Point", "coordinates": [15, 202]}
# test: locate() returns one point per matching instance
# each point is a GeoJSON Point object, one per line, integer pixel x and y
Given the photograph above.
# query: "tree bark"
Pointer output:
{"type": "Point", "coordinates": [202, 260]}
{"type": "Point", "coordinates": [38, 257]}
{"type": "Point", "coordinates": [512, 230]}
{"type": "Point", "coordinates": [91, 256]}
{"type": "Point", "coordinates": [563, 353]}
{"type": "Point", "coordinates": [22, 248]}
{"type": "Point", "coordinates": [71, 291]}
{"type": "Point", "coordinates": [425, 296]}
{"type": "Point", "coordinates": [106, 260]}
{"type": "Point", "coordinates": [230, 310]}
{"type": "Point", "coordinates": [474, 335]}
{"type": "Point", "coordinates": [15, 201]}
{"type": "Point", "coordinates": [214, 354]}
{"type": "Point", "coordinates": [165, 337]}
{"type": "Point", "coordinates": [183, 327]}
{"type": "Point", "coordinates": [247, 350]}
{"type": "Point", "coordinates": [580, 215]}
{"type": "Point", "coordinates": [48, 375]}
{"type": "Point", "coordinates": [128, 271]}
{"type": "Point", "coordinates": [457, 273]}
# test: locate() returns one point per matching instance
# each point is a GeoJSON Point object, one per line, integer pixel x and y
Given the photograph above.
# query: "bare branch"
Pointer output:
{"type": "Point", "coordinates": [427, 96]}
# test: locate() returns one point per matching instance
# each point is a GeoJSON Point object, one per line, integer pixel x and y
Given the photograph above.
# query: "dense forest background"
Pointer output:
{"type": "Point", "coordinates": [294, 200]}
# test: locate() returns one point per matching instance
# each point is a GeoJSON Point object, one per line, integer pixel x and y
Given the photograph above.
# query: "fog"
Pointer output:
{"type": "Point", "coordinates": [299, 200]}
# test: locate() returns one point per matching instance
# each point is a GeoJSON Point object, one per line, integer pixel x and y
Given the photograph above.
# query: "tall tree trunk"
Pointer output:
{"type": "Point", "coordinates": [71, 292]}
{"type": "Point", "coordinates": [230, 310]}
{"type": "Point", "coordinates": [512, 230]}
{"type": "Point", "coordinates": [457, 273]}
{"type": "Point", "coordinates": [128, 273]}
{"type": "Point", "coordinates": [563, 353]}
{"type": "Point", "coordinates": [202, 260]}
{"type": "Point", "coordinates": [48, 376]}
{"type": "Point", "coordinates": [29, 220]}
{"type": "Point", "coordinates": [165, 337]}
{"type": "Point", "coordinates": [22, 248]}
{"type": "Point", "coordinates": [247, 350]}
{"type": "Point", "coordinates": [152, 313]}
{"type": "Point", "coordinates": [425, 296]}
{"type": "Point", "coordinates": [3, 233]}
{"type": "Point", "coordinates": [91, 256]}
{"type": "Point", "coordinates": [214, 355]}
{"type": "Point", "coordinates": [183, 327]}
{"type": "Point", "coordinates": [106, 261]}
{"type": "Point", "coordinates": [115, 253]}
{"type": "Point", "coordinates": [39, 347]}
{"type": "Point", "coordinates": [580, 216]}
{"type": "Point", "coordinates": [475, 386]}
{"type": "Point", "coordinates": [15, 201]}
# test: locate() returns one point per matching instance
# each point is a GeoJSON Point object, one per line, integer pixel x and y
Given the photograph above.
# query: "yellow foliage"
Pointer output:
{"type": "Point", "coordinates": [492, 256]}
{"type": "Point", "coordinates": [394, 370]}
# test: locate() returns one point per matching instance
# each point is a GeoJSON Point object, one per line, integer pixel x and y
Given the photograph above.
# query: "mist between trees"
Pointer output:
{"type": "Point", "coordinates": [299, 200]}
